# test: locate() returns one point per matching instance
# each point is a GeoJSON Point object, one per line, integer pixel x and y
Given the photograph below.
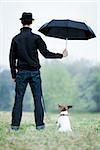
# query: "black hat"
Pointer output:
{"type": "Point", "coordinates": [26, 16]}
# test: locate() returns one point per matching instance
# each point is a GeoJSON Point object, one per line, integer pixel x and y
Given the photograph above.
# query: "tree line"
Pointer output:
{"type": "Point", "coordinates": [76, 83]}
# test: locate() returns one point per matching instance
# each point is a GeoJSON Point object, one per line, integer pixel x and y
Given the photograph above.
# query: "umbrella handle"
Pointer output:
{"type": "Point", "coordinates": [66, 43]}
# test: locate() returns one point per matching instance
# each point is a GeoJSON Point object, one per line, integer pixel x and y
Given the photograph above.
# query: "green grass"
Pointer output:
{"type": "Point", "coordinates": [85, 135]}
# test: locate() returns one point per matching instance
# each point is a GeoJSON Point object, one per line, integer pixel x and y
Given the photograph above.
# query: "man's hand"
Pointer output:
{"type": "Point", "coordinates": [65, 53]}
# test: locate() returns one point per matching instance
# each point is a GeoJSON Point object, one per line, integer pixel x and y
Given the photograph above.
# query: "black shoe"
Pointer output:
{"type": "Point", "coordinates": [15, 128]}
{"type": "Point", "coordinates": [40, 127]}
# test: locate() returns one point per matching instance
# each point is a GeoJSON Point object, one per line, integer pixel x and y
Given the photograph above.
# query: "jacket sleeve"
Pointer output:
{"type": "Point", "coordinates": [43, 50]}
{"type": "Point", "coordinates": [12, 58]}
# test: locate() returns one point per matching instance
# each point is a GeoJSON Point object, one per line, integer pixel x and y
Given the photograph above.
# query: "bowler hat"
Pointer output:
{"type": "Point", "coordinates": [26, 16]}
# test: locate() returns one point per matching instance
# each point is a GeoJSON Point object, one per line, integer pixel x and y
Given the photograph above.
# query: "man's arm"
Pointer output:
{"type": "Point", "coordinates": [47, 54]}
{"type": "Point", "coordinates": [12, 59]}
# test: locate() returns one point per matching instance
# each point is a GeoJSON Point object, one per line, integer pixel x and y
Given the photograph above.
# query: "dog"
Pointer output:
{"type": "Point", "coordinates": [63, 122]}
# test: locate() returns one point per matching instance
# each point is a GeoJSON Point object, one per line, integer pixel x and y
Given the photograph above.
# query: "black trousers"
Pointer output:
{"type": "Point", "coordinates": [22, 79]}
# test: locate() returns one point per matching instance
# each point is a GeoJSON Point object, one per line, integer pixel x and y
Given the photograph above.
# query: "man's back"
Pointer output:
{"type": "Point", "coordinates": [26, 49]}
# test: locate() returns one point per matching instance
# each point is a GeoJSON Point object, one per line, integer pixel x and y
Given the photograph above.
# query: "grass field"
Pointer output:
{"type": "Point", "coordinates": [85, 135]}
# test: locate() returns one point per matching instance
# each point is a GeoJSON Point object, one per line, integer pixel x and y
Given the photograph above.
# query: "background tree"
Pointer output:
{"type": "Point", "coordinates": [94, 86]}
{"type": "Point", "coordinates": [58, 85]}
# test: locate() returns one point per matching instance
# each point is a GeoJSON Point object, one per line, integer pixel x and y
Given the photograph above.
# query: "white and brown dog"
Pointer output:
{"type": "Point", "coordinates": [63, 122]}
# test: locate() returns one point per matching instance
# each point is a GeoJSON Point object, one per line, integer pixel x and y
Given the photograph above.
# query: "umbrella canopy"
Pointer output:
{"type": "Point", "coordinates": [67, 29]}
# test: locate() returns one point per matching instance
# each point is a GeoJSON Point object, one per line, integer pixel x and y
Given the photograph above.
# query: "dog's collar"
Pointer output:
{"type": "Point", "coordinates": [64, 115]}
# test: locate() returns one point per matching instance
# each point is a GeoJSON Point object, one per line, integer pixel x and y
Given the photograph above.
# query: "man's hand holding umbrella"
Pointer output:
{"type": "Point", "coordinates": [65, 53]}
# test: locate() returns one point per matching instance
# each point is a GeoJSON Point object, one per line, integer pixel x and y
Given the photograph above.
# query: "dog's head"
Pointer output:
{"type": "Point", "coordinates": [64, 107]}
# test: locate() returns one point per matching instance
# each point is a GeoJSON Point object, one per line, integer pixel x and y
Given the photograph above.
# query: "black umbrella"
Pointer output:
{"type": "Point", "coordinates": [67, 29]}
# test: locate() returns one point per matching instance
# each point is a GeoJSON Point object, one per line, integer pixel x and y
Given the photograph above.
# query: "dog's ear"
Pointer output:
{"type": "Point", "coordinates": [70, 106]}
{"type": "Point", "coordinates": [59, 106]}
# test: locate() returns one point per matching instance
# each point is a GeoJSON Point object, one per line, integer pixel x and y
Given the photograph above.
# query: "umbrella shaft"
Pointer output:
{"type": "Point", "coordinates": [66, 43]}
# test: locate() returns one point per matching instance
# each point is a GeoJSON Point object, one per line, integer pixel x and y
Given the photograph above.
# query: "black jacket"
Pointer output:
{"type": "Point", "coordinates": [24, 51]}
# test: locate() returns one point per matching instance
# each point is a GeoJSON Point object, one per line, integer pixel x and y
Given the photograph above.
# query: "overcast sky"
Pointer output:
{"type": "Point", "coordinates": [87, 11]}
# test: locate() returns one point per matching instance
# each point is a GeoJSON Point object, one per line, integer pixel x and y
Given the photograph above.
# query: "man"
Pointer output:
{"type": "Point", "coordinates": [24, 58]}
